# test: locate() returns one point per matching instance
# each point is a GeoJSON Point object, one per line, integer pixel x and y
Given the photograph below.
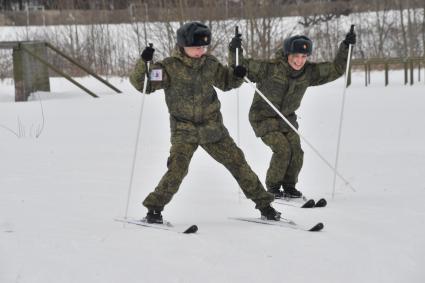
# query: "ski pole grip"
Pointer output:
{"type": "Point", "coordinates": [147, 77]}
{"type": "Point", "coordinates": [237, 34]}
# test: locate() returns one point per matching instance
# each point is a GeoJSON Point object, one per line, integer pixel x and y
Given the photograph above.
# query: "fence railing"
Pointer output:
{"type": "Point", "coordinates": [407, 64]}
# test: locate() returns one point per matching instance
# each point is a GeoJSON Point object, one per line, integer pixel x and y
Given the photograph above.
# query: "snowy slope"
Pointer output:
{"type": "Point", "coordinates": [60, 192]}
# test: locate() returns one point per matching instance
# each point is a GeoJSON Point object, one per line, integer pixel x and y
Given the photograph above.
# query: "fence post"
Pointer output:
{"type": "Point", "coordinates": [368, 72]}
{"type": "Point", "coordinates": [411, 72]}
{"type": "Point", "coordinates": [29, 74]}
{"type": "Point", "coordinates": [405, 72]}
{"type": "Point", "coordinates": [386, 73]}
{"type": "Point", "coordinates": [365, 73]}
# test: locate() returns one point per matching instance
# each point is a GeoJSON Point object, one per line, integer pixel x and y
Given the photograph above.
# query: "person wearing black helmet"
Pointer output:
{"type": "Point", "coordinates": [188, 78]}
{"type": "Point", "coordinates": [284, 81]}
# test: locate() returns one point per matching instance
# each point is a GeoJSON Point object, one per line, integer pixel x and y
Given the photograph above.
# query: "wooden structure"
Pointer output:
{"type": "Point", "coordinates": [29, 74]}
{"type": "Point", "coordinates": [31, 68]}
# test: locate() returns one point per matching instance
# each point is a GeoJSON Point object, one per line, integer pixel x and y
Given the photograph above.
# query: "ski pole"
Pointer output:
{"type": "Point", "coordinates": [298, 133]}
{"type": "Point", "coordinates": [237, 92]}
{"type": "Point", "coordinates": [136, 146]}
{"type": "Point", "coordinates": [238, 135]}
{"type": "Point", "coordinates": [350, 48]}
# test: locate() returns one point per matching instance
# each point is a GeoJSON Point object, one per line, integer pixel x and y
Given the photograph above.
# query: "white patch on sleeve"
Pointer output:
{"type": "Point", "coordinates": [156, 75]}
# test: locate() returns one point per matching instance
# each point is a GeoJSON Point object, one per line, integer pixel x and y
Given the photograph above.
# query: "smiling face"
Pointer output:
{"type": "Point", "coordinates": [195, 51]}
{"type": "Point", "coordinates": [297, 60]}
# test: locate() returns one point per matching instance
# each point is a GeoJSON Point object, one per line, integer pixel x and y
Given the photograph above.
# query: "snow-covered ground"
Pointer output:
{"type": "Point", "coordinates": [60, 192]}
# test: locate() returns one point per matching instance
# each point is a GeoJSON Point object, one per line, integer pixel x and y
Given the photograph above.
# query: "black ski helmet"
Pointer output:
{"type": "Point", "coordinates": [297, 44]}
{"type": "Point", "coordinates": [193, 34]}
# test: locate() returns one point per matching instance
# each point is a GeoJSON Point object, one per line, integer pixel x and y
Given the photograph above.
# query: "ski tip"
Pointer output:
{"type": "Point", "coordinates": [309, 204]}
{"type": "Point", "coordinates": [192, 229]}
{"type": "Point", "coordinates": [321, 203]}
{"type": "Point", "coordinates": [318, 227]}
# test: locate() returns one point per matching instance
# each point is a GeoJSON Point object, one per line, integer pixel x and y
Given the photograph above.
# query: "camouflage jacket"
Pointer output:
{"type": "Point", "coordinates": [191, 99]}
{"type": "Point", "coordinates": [285, 88]}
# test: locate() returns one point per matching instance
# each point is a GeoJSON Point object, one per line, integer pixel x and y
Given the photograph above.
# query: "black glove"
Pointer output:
{"type": "Point", "coordinates": [236, 42]}
{"type": "Point", "coordinates": [239, 71]}
{"type": "Point", "coordinates": [350, 38]}
{"type": "Point", "coordinates": [147, 54]}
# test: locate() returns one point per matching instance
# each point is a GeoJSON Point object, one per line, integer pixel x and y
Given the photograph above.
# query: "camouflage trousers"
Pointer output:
{"type": "Point", "coordinates": [224, 151]}
{"type": "Point", "coordinates": [287, 159]}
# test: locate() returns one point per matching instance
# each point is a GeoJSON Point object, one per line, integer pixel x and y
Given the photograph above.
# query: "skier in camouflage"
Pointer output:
{"type": "Point", "coordinates": [188, 77]}
{"type": "Point", "coordinates": [284, 81]}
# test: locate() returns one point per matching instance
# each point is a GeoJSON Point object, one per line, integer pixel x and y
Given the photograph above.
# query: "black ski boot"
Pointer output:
{"type": "Point", "coordinates": [291, 192]}
{"type": "Point", "coordinates": [269, 213]}
{"type": "Point", "coordinates": [276, 192]}
{"type": "Point", "coordinates": [154, 216]}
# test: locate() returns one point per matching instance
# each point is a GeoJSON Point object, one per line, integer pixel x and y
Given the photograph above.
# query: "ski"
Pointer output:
{"type": "Point", "coordinates": [165, 226]}
{"type": "Point", "coordinates": [301, 202]}
{"type": "Point", "coordinates": [321, 203]}
{"type": "Point", "coordinates": [282, 223]}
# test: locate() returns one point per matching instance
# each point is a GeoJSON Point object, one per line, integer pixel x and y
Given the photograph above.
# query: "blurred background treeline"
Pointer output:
{"type": "Point", "coordinates": [108, 35]}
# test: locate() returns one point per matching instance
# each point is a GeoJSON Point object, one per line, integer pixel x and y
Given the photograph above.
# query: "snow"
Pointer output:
{"type": "Point", "coordinates": [60, 192]}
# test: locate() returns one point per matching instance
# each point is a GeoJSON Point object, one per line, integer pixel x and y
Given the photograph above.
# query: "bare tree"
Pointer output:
{"type": "Point", "coordinates": [403, 28]}
{"type": "Point", "coordinates": [423, 28]}
{"type": "Point", "coordinates": [383, 26]}
{"type": "Point", "coordinates": [264, 34]}
{"type": "Point", "coordinates": [415, 30]}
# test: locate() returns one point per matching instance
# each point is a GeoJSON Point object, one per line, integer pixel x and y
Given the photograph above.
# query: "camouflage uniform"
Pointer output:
{"type": "Point", "coordinates": [285, 88]}
{"type": "Point", "coordinates": [196, 120]}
